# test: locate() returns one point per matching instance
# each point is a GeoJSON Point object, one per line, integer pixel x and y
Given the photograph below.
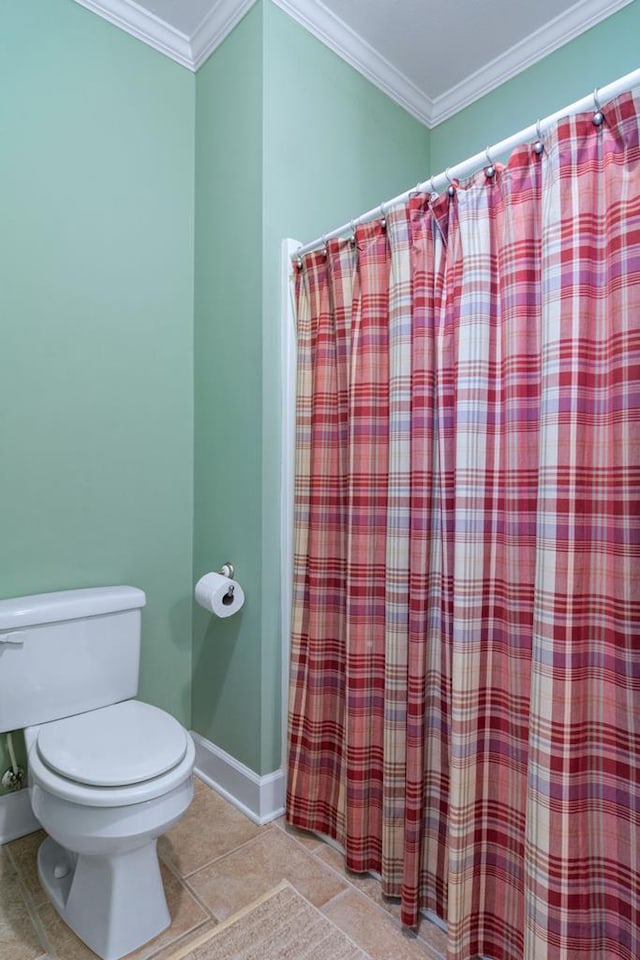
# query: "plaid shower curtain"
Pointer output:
{"type": "Point", "coordinates": [465, 671]}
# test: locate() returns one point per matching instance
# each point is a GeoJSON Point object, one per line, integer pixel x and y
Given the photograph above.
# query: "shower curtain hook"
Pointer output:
{"type": "Point", "coordinates": [383, 216]}
{"type": "Point", "coordinates": [490, 170]}
{"type": "Point", "coordinates": [324, 244]}
{"type": "Point", "coordinates": [598, 116]}
{"type": "Point", "coordinates": [352, 239]}
{"type": "Point", "coordinates": [538, 145]}
{"type": "Point", "coordinates": [451, 189]}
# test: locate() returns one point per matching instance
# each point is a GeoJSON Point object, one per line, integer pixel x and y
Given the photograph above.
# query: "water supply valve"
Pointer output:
{"type": "Point", "coordinates": [13, 779]}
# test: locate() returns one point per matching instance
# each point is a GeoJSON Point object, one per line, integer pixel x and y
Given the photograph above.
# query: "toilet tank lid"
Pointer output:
{"type": "Point", "coordinates": [39, 608]}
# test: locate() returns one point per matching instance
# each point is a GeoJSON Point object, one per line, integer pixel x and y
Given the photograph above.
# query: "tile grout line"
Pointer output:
{"type": "Point", "coordinates": [430, 952]}
{"type": "Point", "coordinates": [185, 880]}
{"type": "Point", "coordinates": [352, 887]}
{"type": "Point", "coordinates": [333, 923]}
{"type": "Point", "coordinates": [194, 893]}
{"type": "Point", "coordinates": [184, 937]}
{"type": "Point", "coordinates": [196, 896]}
{"type": "Point", "coordinates": [327, 842]}
{"type": "Point", "coordinates": [208, 863]}
{"type": "Point", "coordinates": [320, 845]}
{"type": "Point", "coordinates": [340, 895]}
{"type": "Point", "coordinates": [315, 853]}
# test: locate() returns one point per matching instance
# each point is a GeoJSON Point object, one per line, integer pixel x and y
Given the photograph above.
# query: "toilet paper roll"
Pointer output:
{"type": "Point", "coordinates": [218, 594]}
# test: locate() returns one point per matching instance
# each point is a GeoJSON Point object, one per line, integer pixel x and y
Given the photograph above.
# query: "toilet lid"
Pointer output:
{"type": "Point", "coordinates": [116, 745]}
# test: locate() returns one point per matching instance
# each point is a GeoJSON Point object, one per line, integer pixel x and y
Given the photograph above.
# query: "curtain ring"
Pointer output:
{"type": "Point", "coordinates": [538, 145]}
{"type": "Point", "coordinates": [598, 117]}
{"type": "Point", "coordinates": [491, 169]}
{"type": "Point", "coordinates": [426, 185]}
{"type": "Point", "coordinates": [451, 190]}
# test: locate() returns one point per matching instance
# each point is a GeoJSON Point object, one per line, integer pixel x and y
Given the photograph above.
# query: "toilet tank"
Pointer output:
{"type": "Point", "coordinates": [68, 652]}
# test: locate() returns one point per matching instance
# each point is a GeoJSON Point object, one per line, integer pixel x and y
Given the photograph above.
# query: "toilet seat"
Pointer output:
{"type": "Point", "coordinates": [114, 756]}
{"type": "Point", "coordinates": [113, 746]}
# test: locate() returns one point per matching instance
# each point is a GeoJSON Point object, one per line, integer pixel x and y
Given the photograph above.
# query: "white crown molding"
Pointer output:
{"type": "Point", "coordinates": [553, 35]}
{"type": "Point", "coordinates": [143, 25]}
{"type": "Point", "coordinates": [323, 24]}
{"type": "Point", "coordinates": [335, 34]}
{"type": "Point", "coordinates": [217, 25]}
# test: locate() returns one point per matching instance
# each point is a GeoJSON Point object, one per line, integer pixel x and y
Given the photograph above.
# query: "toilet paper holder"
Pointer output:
{"type": "Point", "coordinates": [228, 570]}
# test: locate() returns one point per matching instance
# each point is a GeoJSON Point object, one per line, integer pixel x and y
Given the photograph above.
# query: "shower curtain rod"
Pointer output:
{"type": "Point", "coordinates": [484, 158]}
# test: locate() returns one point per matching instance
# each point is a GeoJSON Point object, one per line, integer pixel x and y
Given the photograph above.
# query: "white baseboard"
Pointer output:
{"type": "Point", "coordinates": [260, 798]}
{"type": "Point", "coordinates": [16, 816]}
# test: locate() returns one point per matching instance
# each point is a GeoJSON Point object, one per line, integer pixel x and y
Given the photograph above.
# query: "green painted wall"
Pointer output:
{"type": "Point", "coordinates": [96, 323]}
{"type": "Point", "coordinates": [307, 143]}
{"type": "Point", "coordinates": [595, 58]}
{"type": "Point", "coordinates": [228, 352]}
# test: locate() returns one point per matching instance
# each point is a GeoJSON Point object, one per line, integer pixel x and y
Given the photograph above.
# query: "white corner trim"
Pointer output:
{"type": "Point", "coordinates": [260, 798]}
{"type": "Point", "coordinates": [16, 816]}
{"type": "Point", "coordinates": [215, 27]}
{"type": "Point", "coordinates": [145, 26]}
{"type": "Point", "coordinates": [288, 375]}
{"type": "Point", "coordinates": [553, 35]}
{"type": "Point", "coordinates": [339, 37]}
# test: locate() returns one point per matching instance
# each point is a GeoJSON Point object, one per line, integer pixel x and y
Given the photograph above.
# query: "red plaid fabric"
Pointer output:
{"type": "Point", "coordinates": [465, 683]}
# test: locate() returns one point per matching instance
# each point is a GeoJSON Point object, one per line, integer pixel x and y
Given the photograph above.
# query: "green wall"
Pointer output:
{"type": "Point", "coordinates": [228, 351]}
{"type": "Point", "coordinates": [597, 57]}
{"type": "Point", "coordinates": [96, 314]}
{"type": "Point", "coordinates": [308, 143]}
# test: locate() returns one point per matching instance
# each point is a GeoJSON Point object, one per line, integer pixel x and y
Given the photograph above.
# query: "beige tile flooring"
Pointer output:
{"type": "Point", "coordinates": [214, 862]}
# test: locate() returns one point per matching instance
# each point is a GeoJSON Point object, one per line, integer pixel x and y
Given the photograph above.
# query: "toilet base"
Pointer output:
{"type": "Point", "coordinates": [114, 904]}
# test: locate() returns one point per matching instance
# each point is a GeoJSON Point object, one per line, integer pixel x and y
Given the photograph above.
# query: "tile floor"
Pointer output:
{"type": "Point", "coordinates": [214, 862]}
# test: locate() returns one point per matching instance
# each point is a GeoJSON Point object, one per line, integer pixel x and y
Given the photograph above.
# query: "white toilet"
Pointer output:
{"type": "Point", "coordinates": [107, 773]}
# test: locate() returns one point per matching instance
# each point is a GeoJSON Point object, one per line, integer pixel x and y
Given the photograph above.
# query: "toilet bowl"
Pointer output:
{"type": "Point", "coordinates": [104, 785]}
{"type": "Point", "coordinates": [107, 773]}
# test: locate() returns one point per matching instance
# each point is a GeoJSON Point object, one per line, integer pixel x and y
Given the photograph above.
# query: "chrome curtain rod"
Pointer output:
{"type": "Point", "coordinates": [484, 158]}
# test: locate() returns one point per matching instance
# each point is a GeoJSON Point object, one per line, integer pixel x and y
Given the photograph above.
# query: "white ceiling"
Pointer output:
{"type": "Point", "coordinates": [431, 56]}
{"type": "Point", "coordinates": [438, 44]}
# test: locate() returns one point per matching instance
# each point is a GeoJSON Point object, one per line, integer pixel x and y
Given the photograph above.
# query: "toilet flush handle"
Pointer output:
{"type": "Point", "coordinates": [16, 636]}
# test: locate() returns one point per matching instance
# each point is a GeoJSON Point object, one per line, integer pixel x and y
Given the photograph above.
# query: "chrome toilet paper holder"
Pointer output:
{"type": "Point", "coordinates": [228, 570]}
